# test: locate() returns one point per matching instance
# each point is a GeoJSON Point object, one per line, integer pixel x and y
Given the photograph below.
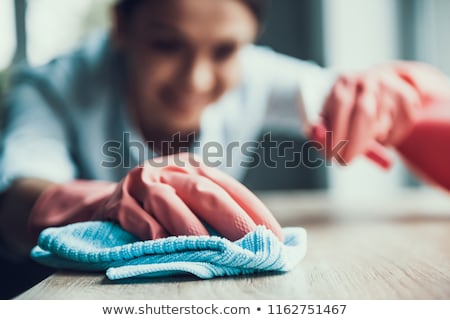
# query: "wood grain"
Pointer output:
{"type": "Point", "coordinates": [399, 250]}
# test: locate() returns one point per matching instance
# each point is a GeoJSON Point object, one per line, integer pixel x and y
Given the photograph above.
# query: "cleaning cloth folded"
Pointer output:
{"type": "Point", "coordinates": [105, 246]}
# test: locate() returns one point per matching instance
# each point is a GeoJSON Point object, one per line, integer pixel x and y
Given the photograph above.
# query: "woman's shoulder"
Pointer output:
{"type": "Point", "coordinates": [70, 72]}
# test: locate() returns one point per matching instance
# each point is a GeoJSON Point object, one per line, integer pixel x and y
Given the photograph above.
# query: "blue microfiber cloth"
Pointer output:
{"type": "Point", "coordinates": [101, 245]}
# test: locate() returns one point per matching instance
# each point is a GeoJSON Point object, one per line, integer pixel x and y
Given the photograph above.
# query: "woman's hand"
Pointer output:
{"type": "Point", "coordinates": [381, 105]}
{"type": "Point", "coordinates": [174, 195]}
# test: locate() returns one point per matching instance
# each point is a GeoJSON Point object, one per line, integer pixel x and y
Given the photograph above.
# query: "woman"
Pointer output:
{"type": "Point", "coordinates": [172, 76]}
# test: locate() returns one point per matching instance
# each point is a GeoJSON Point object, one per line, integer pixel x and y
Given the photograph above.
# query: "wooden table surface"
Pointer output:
{"type": "Point", "coordinates": [387, 248]}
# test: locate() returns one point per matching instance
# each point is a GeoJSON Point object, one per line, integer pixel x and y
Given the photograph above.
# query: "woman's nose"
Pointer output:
{"type": "Point", "coordinates": [199, 76]}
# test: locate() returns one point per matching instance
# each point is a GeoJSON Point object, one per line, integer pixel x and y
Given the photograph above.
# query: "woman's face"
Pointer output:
{"type": "Point", "coordinates": [182, 55]}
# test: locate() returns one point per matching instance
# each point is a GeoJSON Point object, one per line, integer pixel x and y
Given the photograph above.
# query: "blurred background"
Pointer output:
{"type": "Point", "coordinates": [339, 34]}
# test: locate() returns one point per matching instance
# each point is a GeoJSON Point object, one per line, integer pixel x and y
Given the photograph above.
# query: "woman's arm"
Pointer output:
{"type": "Point", "coordinates": [15, 206]}
{"type": "Point", "coordinates": [34, 150]}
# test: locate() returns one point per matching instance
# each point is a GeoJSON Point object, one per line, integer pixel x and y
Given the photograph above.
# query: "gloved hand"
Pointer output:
{"type": "Point", "coordinates": [173, 195]}
{"type": "Point", "coordinates": [380, 105]}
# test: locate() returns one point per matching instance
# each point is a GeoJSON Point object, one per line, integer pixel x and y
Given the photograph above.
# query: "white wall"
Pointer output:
{"type": "Point", "coordinates": [52, 34]}
{"type": "Point", "coordinates": [359, 34]}
{"type": "Point", "coordinates": [7, 33]}
{"type": "Point", "coordinates": [433, 36]}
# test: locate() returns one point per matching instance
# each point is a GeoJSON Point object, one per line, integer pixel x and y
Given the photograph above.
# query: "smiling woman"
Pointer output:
{"type": "Point", "coordinates": [181, 56]}
{"type": "Point", "coordinates": [171, 79]}
{"type": "Point", "coordinates": [177, 68]}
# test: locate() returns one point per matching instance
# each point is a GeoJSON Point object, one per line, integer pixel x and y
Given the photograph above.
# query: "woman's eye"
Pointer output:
{"type": "Point", "coordinates": [224, 52]}
{"type": "Point", "coordinates": [166, 46]}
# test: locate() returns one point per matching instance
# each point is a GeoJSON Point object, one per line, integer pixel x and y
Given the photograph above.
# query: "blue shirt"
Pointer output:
{"type": "Point", "coordinates": [67, 119]}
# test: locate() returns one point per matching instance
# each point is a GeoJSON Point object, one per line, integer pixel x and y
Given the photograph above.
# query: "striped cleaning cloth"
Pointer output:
{"type": "Point", "coordinates": [105, 246]}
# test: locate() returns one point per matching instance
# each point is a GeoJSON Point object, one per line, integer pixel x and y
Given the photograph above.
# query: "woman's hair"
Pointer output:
{"type": "Point", "coordinates": [257, 7]}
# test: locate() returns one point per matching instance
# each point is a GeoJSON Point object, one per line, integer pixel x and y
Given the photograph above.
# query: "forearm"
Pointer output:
{"type": "Point", "coordinates": [15, 207]}
{"type": "Point", "coordinates": [426, 149]}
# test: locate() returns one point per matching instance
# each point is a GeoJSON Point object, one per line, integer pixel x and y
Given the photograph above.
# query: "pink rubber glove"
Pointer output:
{"type": "Point", "coordinates": [381, 105]}
{"type": "Point", "coordinates": [171, 195]}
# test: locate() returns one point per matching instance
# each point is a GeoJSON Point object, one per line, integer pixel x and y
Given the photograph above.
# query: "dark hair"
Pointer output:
{"type": "Point", "coordinates": [257, 7]}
